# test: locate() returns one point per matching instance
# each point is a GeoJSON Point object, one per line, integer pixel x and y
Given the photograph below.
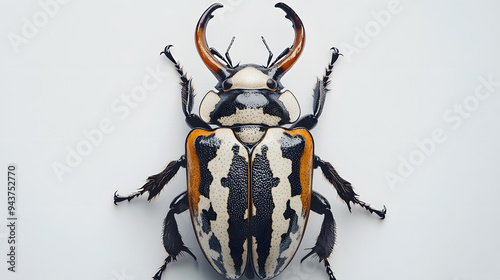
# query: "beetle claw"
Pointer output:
{"type": "Point", "coordinates": [336, 50]}
{"type": "Point", "coordinates": [117, 198]}
{"type": "Point", "coordinates": [168, 54]}
{"type": "Point", "coordinates": [381, 213]}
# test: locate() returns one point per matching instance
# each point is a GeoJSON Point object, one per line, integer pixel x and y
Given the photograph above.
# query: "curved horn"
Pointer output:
{"type": "Point", "coordinates": [217, 68]}
{"type": "Point", "coordinates": [298, 45]}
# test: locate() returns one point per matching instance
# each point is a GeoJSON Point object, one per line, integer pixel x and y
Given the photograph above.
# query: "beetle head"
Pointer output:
{"type": "Point", "coordinates": [250, 93]}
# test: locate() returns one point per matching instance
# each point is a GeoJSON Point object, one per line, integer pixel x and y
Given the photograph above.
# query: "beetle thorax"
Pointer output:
{"type": "Point", "coordinates": [250, 96]}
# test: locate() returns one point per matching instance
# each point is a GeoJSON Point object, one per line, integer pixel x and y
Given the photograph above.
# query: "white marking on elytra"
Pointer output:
{"type": "Point", "coordinates": [250, 116]}
{"type": "Point", "coordinates": [219, 168]}
{"type": "Point", "coordinates": [281, 167]}
{"type": "Point", "coordinates": [291, 105]}
{"type": "Point", "coordinates": [249, 78]}
{"type": "Point", "coordinates": [207, 105]}
{"type": "Point", "coordinates": [203, 238]}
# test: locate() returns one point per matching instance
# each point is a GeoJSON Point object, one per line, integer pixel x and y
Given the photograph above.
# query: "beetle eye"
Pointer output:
{"type": "Point", "coordinates": [227, 84]}
{"type": "Point", "coordinates": [271, 84]}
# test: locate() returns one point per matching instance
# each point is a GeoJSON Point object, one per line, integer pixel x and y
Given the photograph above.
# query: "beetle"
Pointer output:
{"type": "Point", "coordinates": [249, 159]}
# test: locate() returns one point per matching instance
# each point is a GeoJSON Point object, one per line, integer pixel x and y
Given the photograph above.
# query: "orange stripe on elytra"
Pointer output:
{"type": "Point", "coordinates": [306, 167]}
{"type": "Point", "coordinates": [193, 169]}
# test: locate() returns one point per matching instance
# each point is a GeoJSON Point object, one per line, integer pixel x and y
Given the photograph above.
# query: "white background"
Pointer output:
{"type": "Point", "coordinates": [389, 92]}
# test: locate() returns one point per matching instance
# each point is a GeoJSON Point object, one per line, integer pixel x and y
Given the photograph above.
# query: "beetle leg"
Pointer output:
{"type": "Point", "coordinates": [156, 182]}
{"type": "Point", "coordinates": [326, 238]}
{"type": "Point", "coordinates": [320, 90]}
{"type": "Point", "coordinates": [187, 93]}
{"type": "Point", "coordinates": [172, 240]}
{"type": "Point", "coordinates": [344, 188]}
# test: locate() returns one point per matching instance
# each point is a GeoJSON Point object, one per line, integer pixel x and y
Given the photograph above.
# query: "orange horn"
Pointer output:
{"type": "Point", "coordinates": [217, 68]}
{"type": "Point", "coordinates": [294, 52]}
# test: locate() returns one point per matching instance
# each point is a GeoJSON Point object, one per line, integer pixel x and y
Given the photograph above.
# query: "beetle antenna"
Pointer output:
{"type": "Point", "coordinates": [230, 64]}
{"type": "Point", "coordinates": [218, 55]}
{"type": "Point", "coordinates": [269, 50]}
{"type": "Point", "coordinates": [226, 59]}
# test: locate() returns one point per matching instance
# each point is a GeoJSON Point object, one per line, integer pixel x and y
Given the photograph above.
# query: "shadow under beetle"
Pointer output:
{"type": "Point", "coordinates": [249, 179]}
